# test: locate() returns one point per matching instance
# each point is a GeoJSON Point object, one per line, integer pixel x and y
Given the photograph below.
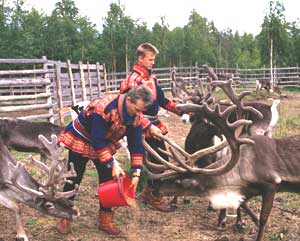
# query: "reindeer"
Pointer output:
{"type": "Point", "coordinates": [18, 186]}
{"type": "Point", "coordinates": [204, 134]}
{"type": "Point", "coordinates": [254, 165]}
{"type": "Point", "coordinates": [266, 84]}
{"type": "Point", "coordinates": [22, 135]}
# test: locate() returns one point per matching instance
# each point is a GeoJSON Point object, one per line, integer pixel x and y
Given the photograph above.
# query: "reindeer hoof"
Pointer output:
{"type": "Point", "coordinates": [210, 208]}
{"type": "Point", "coordinates": [222, 224]}
{"type": "Point", "coordinates": [239, 227]}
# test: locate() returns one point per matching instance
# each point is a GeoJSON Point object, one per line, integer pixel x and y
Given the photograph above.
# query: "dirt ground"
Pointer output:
{"type": "Point", "coordinates": [190, 221]}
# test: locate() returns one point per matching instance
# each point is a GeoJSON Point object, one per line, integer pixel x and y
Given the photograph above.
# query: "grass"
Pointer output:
{"type": "Point", "coordinates": [33, 223]}
{"type": "Point", "coordinates": [91, 173]}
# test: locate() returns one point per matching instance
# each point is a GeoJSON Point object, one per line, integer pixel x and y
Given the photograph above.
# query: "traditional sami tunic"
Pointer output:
{"type": "Point", "coordinates": [140, 75]}
{"type": "Point", "coordinates": [98, 128]}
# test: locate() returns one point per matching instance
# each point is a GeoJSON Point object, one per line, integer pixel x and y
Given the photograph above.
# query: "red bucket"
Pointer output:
{"type": "Point", "coordinates": [116, 192]}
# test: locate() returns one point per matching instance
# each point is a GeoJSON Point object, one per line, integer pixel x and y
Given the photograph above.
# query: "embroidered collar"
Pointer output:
{"type": "Point", "coordinates": [125, 117]}
{"type": "Point", "coordinates": [144, 73]}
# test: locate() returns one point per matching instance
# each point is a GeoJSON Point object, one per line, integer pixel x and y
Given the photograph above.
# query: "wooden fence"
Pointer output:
{"type": "Point", "coordinates": [284, 77]}
{"type": "Point", "coordinates": [45, 89]}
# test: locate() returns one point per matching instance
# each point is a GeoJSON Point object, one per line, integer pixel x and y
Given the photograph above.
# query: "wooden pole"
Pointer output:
{"type": "Point", "coordinates": [48, 91]}
{"type": "Point", "coordinates": [105, 78]}
{"type": "Point", "coordinates": [271, 65]}
{"type": "Point", "coordinates": [82, 81]}
{"type": "Point", "coordinates": [59, 93]}
{"type": "Point", "coordinates": [71, 81]}
{"type": "Point", "coordinates": [98, 78]}
{"type": "Point", "coordinates": [89, 80]}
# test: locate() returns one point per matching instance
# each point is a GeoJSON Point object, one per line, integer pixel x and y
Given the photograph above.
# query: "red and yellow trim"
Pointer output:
{"type": "Point", "coordinates": [136, 160]}
{"type": "Point", "coordinates": [104, 154]}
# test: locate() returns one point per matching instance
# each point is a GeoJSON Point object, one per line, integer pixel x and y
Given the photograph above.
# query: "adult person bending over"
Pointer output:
{"type": "Point", "coordinates": [141, 74]}
{"type": "Point", "coordinates": [94, 135]}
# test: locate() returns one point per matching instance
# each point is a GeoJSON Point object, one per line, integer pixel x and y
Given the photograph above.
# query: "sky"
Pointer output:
{"type": "Point", "coordinates": [244, 16]}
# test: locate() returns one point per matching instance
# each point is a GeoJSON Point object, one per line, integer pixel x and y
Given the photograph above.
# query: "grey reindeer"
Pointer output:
{"type": "Point", "coordinates": [253, 166]}
{"type": "Point", "coordinates": [18, 186]}
{"type": "Point", "coordinates": [203, 133]}
{"type": "Point", "coordinates": [22, 135]}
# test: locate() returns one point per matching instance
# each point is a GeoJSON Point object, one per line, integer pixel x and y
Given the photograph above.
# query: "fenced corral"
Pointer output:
{"type": "Point", "coordinates": [25, 88]}
{"type": "Point", "coordinates": [246, 78]}
{"type": "Point", "coordinates": [75, 82]}
{"type": "Point", "coordinates": [44, 89]}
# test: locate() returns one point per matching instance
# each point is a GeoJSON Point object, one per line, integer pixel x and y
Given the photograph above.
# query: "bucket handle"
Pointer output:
{"type": "Point", "coordinates": [119, 187]}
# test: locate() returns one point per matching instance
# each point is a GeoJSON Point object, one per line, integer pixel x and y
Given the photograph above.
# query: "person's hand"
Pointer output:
{"type": "Point", "coordinates": [135, 179]}
{"type": "Point", "coordinates": [117, 170]}
{"type": "Point", "coordinates": [134, 183]}
{"type": "Point", "coordinates": [155, 131]}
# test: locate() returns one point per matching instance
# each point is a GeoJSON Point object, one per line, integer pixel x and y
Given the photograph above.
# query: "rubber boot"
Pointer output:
{"type": "Point", "coordinates": [63, 226]}
{"type": "Point", "coordinates": [105, 223]}
{"type": "Point", "coordinates": [157, 202]}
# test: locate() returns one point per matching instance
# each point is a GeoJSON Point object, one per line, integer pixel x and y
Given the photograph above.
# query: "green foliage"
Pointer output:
{"type": "Point", "coordinates": [275, 29]}
{"type": "Point", "coordinates": [64, 34]}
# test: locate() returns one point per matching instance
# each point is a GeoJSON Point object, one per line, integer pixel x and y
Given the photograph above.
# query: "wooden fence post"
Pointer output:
{"type": "Point", "coordinates": [71, 81]}
{"type": "Point", "coordinates": [48, 91]}
{"type": "Point", "coordinates": [89, 80]}
{"type": "Point", "coordinates": [98, 78]}
{"type": "Point", "coordinates": [199, 80]}
{"type": "Point", "coordinates": [59, 92]}
{"type": "Point", "coordinates": [105, 78]}
{"type": "Point", "coordinates": [82, 81]}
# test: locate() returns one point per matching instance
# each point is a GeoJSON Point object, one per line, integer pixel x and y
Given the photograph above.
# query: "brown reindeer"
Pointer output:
{"type": "Point", "coordinates": [18, 186]}
{"type": "Point", "coordinates": [254, 165]}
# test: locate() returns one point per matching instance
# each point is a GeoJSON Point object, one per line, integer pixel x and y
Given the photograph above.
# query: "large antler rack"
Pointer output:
{"type": "Point", "coordinates": [178, 89]}
{"type": "Point", "coordinates": [218, 118]}
{"type": "Point", "coordinates": [181, 93]}
{"type": "Point", "coordinates": [57, 172]}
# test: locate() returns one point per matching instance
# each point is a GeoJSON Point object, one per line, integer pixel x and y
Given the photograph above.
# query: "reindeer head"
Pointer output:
{"type": "Point", "coordinates": [181, 94]}
{"type": "Point", "coordinates": [45, 195]}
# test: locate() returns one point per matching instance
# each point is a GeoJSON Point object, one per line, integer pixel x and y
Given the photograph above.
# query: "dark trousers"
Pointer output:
{"type": "Point", "coordinates": [79, 162]}
{"type": "Point", "coordinates": [155, 144]}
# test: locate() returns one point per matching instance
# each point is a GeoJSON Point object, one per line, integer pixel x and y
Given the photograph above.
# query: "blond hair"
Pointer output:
{"type": "Point", "coordinates": [146, 47]}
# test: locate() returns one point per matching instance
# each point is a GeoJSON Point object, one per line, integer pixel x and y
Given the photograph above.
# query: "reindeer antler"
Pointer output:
{"type": "Point", "coordinates": [57, 172]}
{"type": "Point", "coordinates": [221, 120]}
{"type": "Point", "coordinates": [236, 99]}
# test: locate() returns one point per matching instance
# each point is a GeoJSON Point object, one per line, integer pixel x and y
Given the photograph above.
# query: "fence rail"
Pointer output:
{"type": "Point", "coordinates": [42, 88]}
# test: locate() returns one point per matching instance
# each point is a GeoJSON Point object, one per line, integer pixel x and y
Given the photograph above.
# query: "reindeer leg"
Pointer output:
{"type": "Point", "coordinates": [222, 218]}
{"type": "Point", "coordinates": [252, 215]}
{"type": "Point", "coordinates": [267, 203]}
{"type": "Point", "coordinates": [239, 224]}
{"type": "Point", "coordinates": [10, 204]}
